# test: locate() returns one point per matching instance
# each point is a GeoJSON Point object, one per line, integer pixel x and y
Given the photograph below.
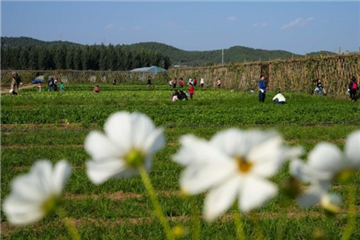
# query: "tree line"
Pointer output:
{"type": "Point", "coordinates": [80, 57]}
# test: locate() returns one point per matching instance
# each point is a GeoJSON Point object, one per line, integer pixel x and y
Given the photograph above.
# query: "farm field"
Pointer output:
{"type": "Point", "coordinates": [53, 125]}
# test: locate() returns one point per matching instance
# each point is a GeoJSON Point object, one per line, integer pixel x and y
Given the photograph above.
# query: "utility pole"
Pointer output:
{"type": "Point", "coordinates": [222, 59]}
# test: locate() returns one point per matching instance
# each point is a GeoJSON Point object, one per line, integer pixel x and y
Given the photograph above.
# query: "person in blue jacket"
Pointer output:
{"type": "Point", "coordinates": [262, 89]}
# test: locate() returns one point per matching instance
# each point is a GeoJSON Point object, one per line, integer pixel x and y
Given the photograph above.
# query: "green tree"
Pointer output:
{"type": "Point", "coordinates": [24, 58]}
{"type": "Point", "coordinates": [70, 58]}
{"type": "Point", "coordinates": [33, 58]}
{"type": "Point", "coordinates": [60, 57]}
{"type": "Point", "coordinates": [85, 57]}
{"type": "Point", "coordinates": [103, 58]}
{"type": "Point", "coordinates": [77, 58]}
{"type": "Point", "coordinates": [5, 57]}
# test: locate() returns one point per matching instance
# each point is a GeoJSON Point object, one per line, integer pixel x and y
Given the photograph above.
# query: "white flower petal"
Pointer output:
{"type": "Point", "coordinates": [200, 177]}
{"type": "Point", "coordinates": [258, 137]}
{"type": "Point", "coordinates": [26, 218]}
{"type": "Point", "coordinates": [100, 147]}
{"type": "Point", "coordinates": [15, 205]}
{"type": "Point", "coordinates": [118, 129]}
{"type": "Point", "coordinates": [154, 141]}
{"type": "Point", "coordinates": [61, 173]}
{"type": "Point", "coordinates": [313, 195]}
{"type": "Point", "coordinates": [221, 198]}
{"type": "Point", "coordinates": [255, 193]}
{"type": "Point", "coordinates": [325, 160]}
{"type": "Point", "coordinates": [26, 186]}
{"type": "Point", "coordinates": [352, 149]}
{"type": "Point", "coordinates": [232, 142]}
{"type": "Point", "coordinates": [41, 172]}
{"type": "Point", "coordinates": [142, 126]}
{"type": "Point", "coordinates": [30, 191]}
{"type": "Point", "coordinates": [101, 171]}
{"type": "Point", "coordinates": [301, 171]}
{"type": "Point", "coordinates": [196, 150]}
{"type": "Point", "coordinates": [267, 157]}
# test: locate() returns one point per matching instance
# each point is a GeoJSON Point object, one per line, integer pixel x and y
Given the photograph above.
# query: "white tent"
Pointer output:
{"type": "Point", "coordinates": [144, 71]}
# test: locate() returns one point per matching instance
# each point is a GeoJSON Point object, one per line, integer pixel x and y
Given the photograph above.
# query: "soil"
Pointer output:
{"type": "Point", "coordinates": [5, 88]}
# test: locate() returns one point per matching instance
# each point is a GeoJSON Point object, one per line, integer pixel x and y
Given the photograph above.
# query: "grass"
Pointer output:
{"type": "Point", "coordinates": [53, 126]}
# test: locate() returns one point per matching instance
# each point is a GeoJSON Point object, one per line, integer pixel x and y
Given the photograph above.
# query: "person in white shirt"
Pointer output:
{"type": "Point", "coordinates": [202, 82]}
{"type": "Point", "coordinates": [279, 98]}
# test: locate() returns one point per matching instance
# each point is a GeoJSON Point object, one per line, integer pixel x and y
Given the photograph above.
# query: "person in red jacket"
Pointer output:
{"type": "Point", "coordinates": [181, 82]}
{"type": "Point", "coordinates": [96, 89]}
{"type": "Point", "coordinates": [191, 91]}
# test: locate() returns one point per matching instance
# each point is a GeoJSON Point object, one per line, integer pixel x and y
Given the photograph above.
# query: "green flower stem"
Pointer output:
{"type": "Point", "coordinates": [238, 223]}
{"type": "Point", "coordinates": [195, 220]}
{"type": "Point", "coordinates": [349, 229]}
{"type": "Point", "coordinates": [69, 224]}
{"type": "Point", "coordinates": [158, 210]}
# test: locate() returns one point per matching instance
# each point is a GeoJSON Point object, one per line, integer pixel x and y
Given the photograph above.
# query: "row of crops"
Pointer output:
{"type": "Point", "coordinates": [53, 125]}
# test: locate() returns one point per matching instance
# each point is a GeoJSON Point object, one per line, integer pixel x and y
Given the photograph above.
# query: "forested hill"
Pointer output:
{"type": "Point", "coordinates": [199, 58]}
{"type": "Point", "coordinates": [26, 41]}
{"type": "Point", "coordinates": [177, 56]}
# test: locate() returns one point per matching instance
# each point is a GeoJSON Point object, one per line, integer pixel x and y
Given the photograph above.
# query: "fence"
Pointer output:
{"type": "Point", "coordinates": [295, 75]}
{"type": "Point", "coordinates": [72, 76]}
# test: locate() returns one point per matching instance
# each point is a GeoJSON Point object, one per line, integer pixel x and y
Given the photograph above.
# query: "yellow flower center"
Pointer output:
{"type": "Point", "coordinates": [344, 176]}
{"type": "Point", "coordinates": [243, 165]}
{"type": "Point", "coordinates": [135, 158]}
{"type": "Point", "coordinates": [331, 204]}
{"type": "Point", "coordinates": [50, 205]}
{"type": "Point", "coordinates": [178, 231]}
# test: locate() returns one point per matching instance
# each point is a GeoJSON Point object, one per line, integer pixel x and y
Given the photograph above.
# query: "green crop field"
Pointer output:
{"type": "Point", "coordinates": [53, 125]}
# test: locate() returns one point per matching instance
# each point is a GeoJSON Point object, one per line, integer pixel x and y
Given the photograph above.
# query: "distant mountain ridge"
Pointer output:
{"type": "Point", "coordinates": [180, 57]}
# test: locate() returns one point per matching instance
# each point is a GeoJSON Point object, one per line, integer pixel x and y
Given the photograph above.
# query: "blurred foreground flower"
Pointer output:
{"type": "Point", "coordinates": [36, 194]}
{"type": "Point", "coordinates": [232, 164]}
{"type": "Point", "coordinates": [130, 141]}
{"type": "Point", "coordinates": [326, 163]}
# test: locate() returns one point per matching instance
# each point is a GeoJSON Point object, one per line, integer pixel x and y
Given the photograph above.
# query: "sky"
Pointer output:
{"type": "Point", "coordinates": [297, 26]}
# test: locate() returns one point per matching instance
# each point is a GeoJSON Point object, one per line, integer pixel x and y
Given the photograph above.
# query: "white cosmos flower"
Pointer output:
{"type": "Point", "coordinates": [36, 194]}
{"type": "Point", "coordinates": [325, 162]}
{"type": "Point", "coordinates": [233, 164]}
{"type": "Point", "coordinates": [130, 141]}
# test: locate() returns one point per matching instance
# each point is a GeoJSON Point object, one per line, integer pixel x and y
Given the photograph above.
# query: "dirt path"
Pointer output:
{"type": "Point", "coordinates": [5, 88]}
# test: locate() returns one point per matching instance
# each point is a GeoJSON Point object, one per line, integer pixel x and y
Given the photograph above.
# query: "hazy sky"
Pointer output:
{"type": "Point", "coordinates": [298, 27]}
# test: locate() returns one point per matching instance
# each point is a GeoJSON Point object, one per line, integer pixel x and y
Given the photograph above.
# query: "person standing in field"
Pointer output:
{"type": "Point", "coordinates": [55, 84]}
{"type": "Point", "coordinates": [62, 87]}
{"type": "Point", "coordinates": [51, 85]}
{"type": "Point", "coordinates": [174, 83]}
{"type": "Point", "coordinates": [353, 87]}
{"type": "Point", "coordinates": [219, 83]}
{"type": "Point", "coordinates": [181, 82]}
{"type": "Point", "coordinates": [15, 83]}
{"type": "Point", "coordinates": [262, 89]}
{"type": "Point", "coordinates": [149, 82]}
{"type": "Point", "coordinates": [195, 82]}
{"type": "Point", "coordinates": [191, 91]}
{"type": "Point", "coordinates": [202, 82]}
{"type": "Point", "coordinates": [40, 86]}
